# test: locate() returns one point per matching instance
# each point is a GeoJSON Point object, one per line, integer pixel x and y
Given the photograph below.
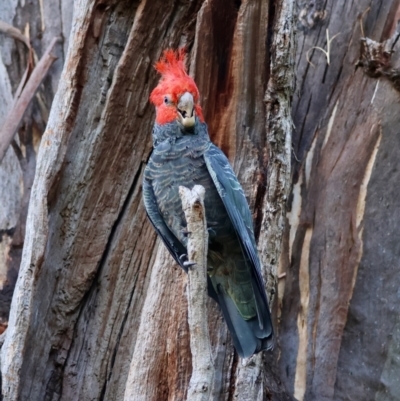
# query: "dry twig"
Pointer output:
{"type": "Point", "coordinates": [202, 362]}
{"type": "Point", "coordinates": [361, 21]}
{"type": "Point", "coordinates": [16, 34]}
{"type": "Point", "coordinates": [327, 52]}
{"type": "Point", "coordinates": [16, 114]}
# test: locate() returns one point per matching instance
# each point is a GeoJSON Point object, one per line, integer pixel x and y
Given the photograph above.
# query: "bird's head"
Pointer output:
{"type": "Point", "coordinates": [176, 96]}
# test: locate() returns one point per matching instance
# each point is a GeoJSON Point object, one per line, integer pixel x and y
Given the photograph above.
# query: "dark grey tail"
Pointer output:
{"type": "Point", "coordinates": [249, 336]}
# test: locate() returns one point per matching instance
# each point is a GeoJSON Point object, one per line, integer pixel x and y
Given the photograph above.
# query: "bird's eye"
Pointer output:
{"type": "Point", "coordinates": [166, 100]}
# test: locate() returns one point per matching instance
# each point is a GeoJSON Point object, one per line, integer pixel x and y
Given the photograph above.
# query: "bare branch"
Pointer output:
{"type": "Point", "coordinates": [203, 367]}
{"type": "Point", "coordinates": [361, 21]}
{"type": "Point", "coordinates": [14, 33]}
{"type": "Point", "coordinates": [16, 114]}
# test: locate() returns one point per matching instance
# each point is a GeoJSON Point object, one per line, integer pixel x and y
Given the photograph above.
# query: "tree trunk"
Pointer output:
{"type": "Point", "coordinates": [339, 331]}
{"type": "Point", "coordinates": [99, 310]}
{"type": "Point", "coordinates": [40, 23]}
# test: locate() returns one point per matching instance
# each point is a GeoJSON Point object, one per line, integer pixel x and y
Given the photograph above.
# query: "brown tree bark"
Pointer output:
{"type": "Point", "coordinates": [99, 310]}
{"type": "Point", "coordinates": [339, 305]}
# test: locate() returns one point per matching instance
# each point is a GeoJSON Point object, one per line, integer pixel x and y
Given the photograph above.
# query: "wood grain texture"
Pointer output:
{"type": "Point", "coordinates": [100, 299]}
{"type": "Point", "coordinates": [68, 215]}
{"type": "Point", "coordinates": [17, 183]}
{"type": "Point", "coordinates": [10, 204]}
{"type": "Point", "coordinates": [252, 118]}
{"type": "Point", "coordinates": [203, 371]}
{"type": "Point", "coordinates": [334, 313]}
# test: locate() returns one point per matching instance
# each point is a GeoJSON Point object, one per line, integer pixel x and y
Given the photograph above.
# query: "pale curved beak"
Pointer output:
{"type": "Point", "coordinates": [186, 114]}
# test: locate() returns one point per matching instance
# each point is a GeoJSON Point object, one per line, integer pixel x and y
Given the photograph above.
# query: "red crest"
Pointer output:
{"type": "Point", "coordinates": [174, 82]}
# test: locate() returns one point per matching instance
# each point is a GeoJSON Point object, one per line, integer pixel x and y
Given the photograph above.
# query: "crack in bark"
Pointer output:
{"type": "Point", "coordinates": [258, 204]}
{"type": "Point", "coordinates": [101, 263]}
{"type": "Point", "coordinates": [115, 350]}
{"type": "Point", "coordinates": [232, 379]}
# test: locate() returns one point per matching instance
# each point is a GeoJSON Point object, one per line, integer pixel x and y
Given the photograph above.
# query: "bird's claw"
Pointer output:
{"type": "Point", "coordinates": [188, 264]}
{"type": "Point", "coordinates": [185, 232]}
{"type": "Point", "coordinates": [184, 259]}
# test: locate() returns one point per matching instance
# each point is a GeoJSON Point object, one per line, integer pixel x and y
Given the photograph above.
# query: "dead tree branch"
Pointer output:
{"type": "Point", "coordinates": [14, 33]}
{"type": "Point", "coordinates": [14, 117]}
{"type": "Point", "coordinates": [202, 362]}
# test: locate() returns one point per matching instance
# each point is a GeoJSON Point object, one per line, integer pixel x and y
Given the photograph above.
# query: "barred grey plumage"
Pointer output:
{"type": "Point", "coordinates": [184, 157]}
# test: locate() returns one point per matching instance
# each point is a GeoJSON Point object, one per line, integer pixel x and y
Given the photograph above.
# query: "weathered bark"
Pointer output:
{"type": "Point", "coordinates": [339, 317]}
{"type": "Point", "coordinates": [99, 309]}
{"type": "Point", "coordinates": [18, 169]}
{"type": "Point", "coordinates": [202, 364]}
{"type": "Point", "coordinates": [10, 176]}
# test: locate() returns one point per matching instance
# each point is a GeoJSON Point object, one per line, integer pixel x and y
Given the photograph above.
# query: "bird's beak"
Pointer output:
{"type": "Point", "coordinates": [186, 114]}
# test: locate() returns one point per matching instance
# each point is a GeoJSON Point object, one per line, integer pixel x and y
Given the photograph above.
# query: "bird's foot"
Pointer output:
{"type": "Point", "coordinates": [184, 259]}
{"type": "Point", "coordinates": [189, 264]}
{"type": "Point", "coordinates": [185, 232]}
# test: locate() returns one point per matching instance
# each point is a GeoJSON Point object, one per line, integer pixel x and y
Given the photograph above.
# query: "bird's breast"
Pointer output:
{"type": "Point", "coordinates": [188, 170]}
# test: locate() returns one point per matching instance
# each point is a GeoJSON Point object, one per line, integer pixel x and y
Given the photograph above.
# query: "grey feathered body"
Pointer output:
{"type": "Point", "coordinates": [182, 158]}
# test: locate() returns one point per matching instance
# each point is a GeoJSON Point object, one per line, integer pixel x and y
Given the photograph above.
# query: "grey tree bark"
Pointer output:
{"type": "Point", "coordinates": [339, 300]}
{"type": "Point", "coordinates": [18, 168]}
{"type": "Point", "coordinates": [200, 346]}
{"type": "Point", "coordinates": [97, 293]}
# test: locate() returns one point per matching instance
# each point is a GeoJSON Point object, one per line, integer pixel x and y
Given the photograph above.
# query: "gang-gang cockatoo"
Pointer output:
{"type": "Point", "coordinates": [183, 155]}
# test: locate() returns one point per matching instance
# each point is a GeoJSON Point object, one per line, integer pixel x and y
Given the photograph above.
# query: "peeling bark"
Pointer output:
{"type": "Point", "coordinates": [97, 295]}
{"type": "Point", "coordinates": [337, 316]}
{"type": "Point", "coordinates": [376, 58]}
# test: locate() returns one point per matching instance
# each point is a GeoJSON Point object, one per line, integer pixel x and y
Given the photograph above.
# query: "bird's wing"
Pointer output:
{"type": "Point", "coordinates": [172, 243]}
{"type": "Point", "coordinates": [236, 205]}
